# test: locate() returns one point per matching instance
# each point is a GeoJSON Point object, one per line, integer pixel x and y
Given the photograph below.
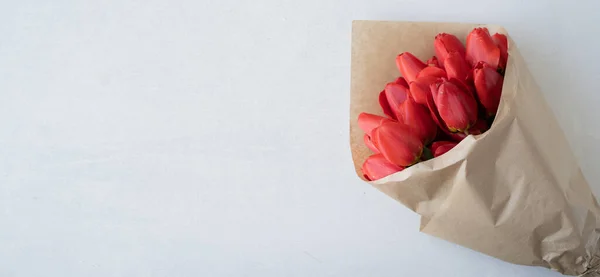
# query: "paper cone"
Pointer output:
{"type": "Point", "coordinates": [515, 192]}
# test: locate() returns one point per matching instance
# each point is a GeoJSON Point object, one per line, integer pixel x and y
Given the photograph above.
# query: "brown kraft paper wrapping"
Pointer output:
{"type": "Point", "coordinates": [515, 192]}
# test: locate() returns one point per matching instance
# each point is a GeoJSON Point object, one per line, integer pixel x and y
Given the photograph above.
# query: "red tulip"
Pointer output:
{"type": "Point", "coordinates": [457, 108]}
{"type": "Point", "coordinates": [420, 89]}
{"type": "Point", "coordinates": [396, 94]}
{"type": "Point", "coordinates": [488, 84]}
{"type": "Point", "coordinates": [397, 143]}
{"type": "Point", "coordinates": [440, 147]}
{"type": "Point", "coordinates": [377, 167]}
{"type": "Point", "coordinates": [457, 67]}
{"type": "Point", "coordinates": [369, 143]}
{"type": "Point", "coordinates": [367, 122]}
{"type": "Point", "coordinates": [433, 62]}
{"type": "Point", "coordinates": [502, 43]}
{"type": "Point", "coordinates": [445, 44]}
{"type": "Point", "coordinates": [419, 119]}
{"type": "Point", "coordinates": [409, 66]}
{"type": "Point", "coordinates": [482, 48]}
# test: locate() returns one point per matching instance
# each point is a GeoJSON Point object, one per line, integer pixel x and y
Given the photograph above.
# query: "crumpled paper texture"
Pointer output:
{"type": "Point", "coordinates": [515, 192]}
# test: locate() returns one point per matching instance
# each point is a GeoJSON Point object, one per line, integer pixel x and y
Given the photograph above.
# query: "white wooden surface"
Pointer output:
{"type": "Point", "coordinates": [209, 138]}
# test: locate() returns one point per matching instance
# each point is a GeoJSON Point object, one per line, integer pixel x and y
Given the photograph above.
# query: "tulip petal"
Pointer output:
{"type": "Point", "coordinates": [445, 44]}
{"type": "Point", "coordinates": [488, 85]}
{"type": "Point", "coordinates": [434, 87]}
{"type": "Point", "coordinates": [420, 89]}
{"type": "Point", "coordinates": [401, 81]}
{"type": "Point", "coordinates": [463, 86]}
{"type": "Point", "coordinates": [458, 137]}
{"type": "Point", "coordinates": [432, 71]}
{"type": "Point", "coordinates": [367, 122]}
{"type": "Point", "coordinates": [419, 119]}
{"type": "Point", "coordinates": [456, 67]}
{"type": "Point", "coordinates": [369, 143]}
{"type": "Point", "coordinates": [409, 66]}
{"type": "Point", "coordinates": [376, 167]}
{"type": "Point", "coordinates": [442, 149]}
{"type": "Point", "coordinates": [502, 43]}
{"type": "Point", "coordinates": [437, 144]}
{"type": "Point", "coordinates": [397, 143]}
{"type": "Point", "coordinates": [396, 94]}
{"type": "Point", "coordinates": [482, 48]}
{"type": "Point", "coordinates": [385, 105]}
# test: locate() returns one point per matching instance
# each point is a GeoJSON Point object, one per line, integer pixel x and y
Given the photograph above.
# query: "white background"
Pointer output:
{"type": "Point", "coordinates": [210, 138]}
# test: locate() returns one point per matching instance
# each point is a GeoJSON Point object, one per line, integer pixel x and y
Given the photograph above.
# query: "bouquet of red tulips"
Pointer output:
{"type": "Point", "coordinates": [454, 94]}
{"type": "Point", "coordinates": [465, 139]}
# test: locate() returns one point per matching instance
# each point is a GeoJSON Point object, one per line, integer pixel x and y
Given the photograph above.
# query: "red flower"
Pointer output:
{"type": "Point", "coordinates": [488, 84]}
{"type": "Point", "coordinates": [409, 66]}
{"type": "Point", "coordinates": [453, 107]}
{"type": "Point", "coordinates": [482, 48]}
{"type": "Point", "coordinates": [438, 148]}
{"type": "Point", "coordinates": [445, 44]}
{"type": "Point", "coordinates": [377, 167]}
{"type": "Point", "coordinates": [397, 143]}
{"type": "Point", "coordinates": [502, 43]}
{"type": "Point", "coordinates": [419, 119]}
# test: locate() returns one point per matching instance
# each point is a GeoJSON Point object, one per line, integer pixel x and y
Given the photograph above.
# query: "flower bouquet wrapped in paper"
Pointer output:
{"type": "Point", "coordinates": [447, 120]}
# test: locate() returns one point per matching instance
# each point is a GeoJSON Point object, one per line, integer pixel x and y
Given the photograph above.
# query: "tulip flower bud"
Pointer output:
{"type": "Point", "coordinates": [488, 85]}
{"type": "Point", "coordinates": [397, 143]}
{"type": "Point", "coordinates": [445, 44]}
{"type": "Point", "coordinates": [456, 108]}
{"type": "Point", "coordinates": [377, 167]}
{"type": "Point", "coordinates": [409, 66]}
{"type": "Point", "coordinates": [482, 48]}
